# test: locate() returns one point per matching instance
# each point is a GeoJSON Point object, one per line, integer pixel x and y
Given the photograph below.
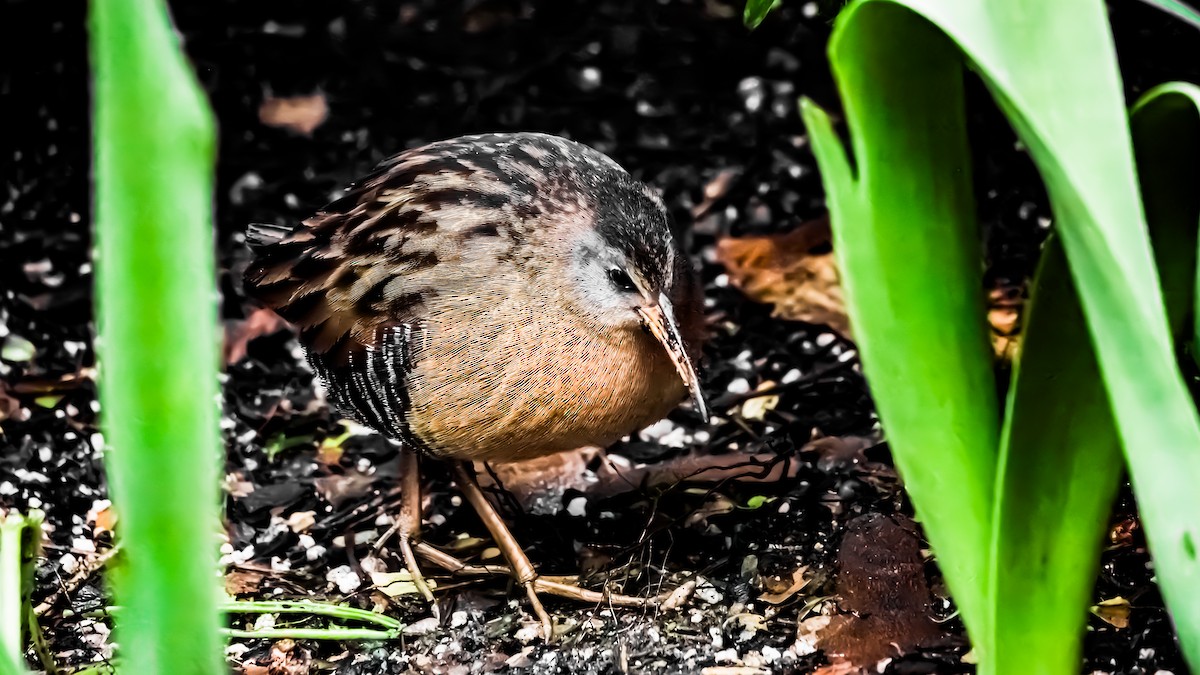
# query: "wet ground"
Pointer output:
{"type": "Point", "coordinates": [786, 518]}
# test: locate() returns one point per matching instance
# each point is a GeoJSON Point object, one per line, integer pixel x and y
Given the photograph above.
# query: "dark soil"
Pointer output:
{"type": "Point", "coordinates": [678, 92]}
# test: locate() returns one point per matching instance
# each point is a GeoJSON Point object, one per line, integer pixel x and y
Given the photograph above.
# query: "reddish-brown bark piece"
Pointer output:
{"type": "Point", "coordinates": [883, 592]}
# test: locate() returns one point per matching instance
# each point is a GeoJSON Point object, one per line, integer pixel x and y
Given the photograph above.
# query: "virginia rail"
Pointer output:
{"type": "Point", "coordinates": [490, 298]}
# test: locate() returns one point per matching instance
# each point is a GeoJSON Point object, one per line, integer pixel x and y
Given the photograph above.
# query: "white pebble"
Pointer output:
{"type": "Point", "coordinates": [344, 578]}
{"type": "Point", "coordinates": [727, 656]}
{"type": "Point", "coordinates": [738, 385]}
{"type": "Point", "coordinates": [577, 507]}
{"type": "Point", "coordinates": [657, 430]}
{"type": "Point", "coordinates": [708, 594]}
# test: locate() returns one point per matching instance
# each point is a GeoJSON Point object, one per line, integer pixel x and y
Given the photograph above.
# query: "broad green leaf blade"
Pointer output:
{"type": "Point", "coordinates": [1059, 464]}
{"type": "Point", "coordinates": [157, 339]}
{"type": "Point", "coordinates": [1052, 69]}
{"type": "Point", "coordinates": [908, 250]}
{"type": "Point", "coordinates": [1166, 141]}
{"type": "Point", "coordinates": [756, 11]}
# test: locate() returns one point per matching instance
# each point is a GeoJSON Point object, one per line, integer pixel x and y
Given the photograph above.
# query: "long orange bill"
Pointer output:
{"type": "Point", "coordinates": [660, 320]}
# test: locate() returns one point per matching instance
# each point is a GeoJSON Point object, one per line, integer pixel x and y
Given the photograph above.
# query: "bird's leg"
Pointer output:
{"type": "Point", "coordinates": [409, 522]}
{"type": "Point", "coordinates": [522, 569]}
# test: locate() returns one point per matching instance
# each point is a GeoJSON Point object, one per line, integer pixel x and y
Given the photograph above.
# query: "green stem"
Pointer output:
{"type": "Point", "coordinates": [20, 540]}
{"type": "Point", "coordinates": [158, 338]}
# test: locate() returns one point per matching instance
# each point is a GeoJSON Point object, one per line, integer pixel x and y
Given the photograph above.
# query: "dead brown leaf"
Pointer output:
{"type": "Point", "coordinates": [757, 408]}
{"type": "Point", "coordinates": [532, 479]}
{"type": "Point", "coordinates": [838, 668]}
{"type": "Point", "coordinates": [1114, 612]}
{"type": "Point", "coordinates": [238, 334]}
{"type": "Point", "coordinates": [330, 452]}
{"type": "Point", "coordinates": [103, 519]}
{"type": "Point", "coordinates": [300, 521]}
{"type": "Point", "coordinates": [717, 504]}
{"type": "Point", "coordinates": [236, 485]}
{"type": "Point", "coordinates": [243, 582]}
{"type": "Point", "coordinates": [289, 658]}
{"type": "Point", "coordinates": [714, 190]}
{"type": "Point", "coordinates": [9, 406]}
{"type": "Point", "coordinates": [285, 658]}
{"type": "Point", "coordinates": [341, 488]}
{"type": "Point", "coordinates": [1006, 302]}
{"type": "Point", "coordinates": [301, 114]}
{"type": "Point", "coordinates": [781, 593]}
{"type": "Point", "coordinates": [756, 468]}
{"type": "Point", "coordinates": [1121, 533]}
{"type": "Point", "coordinates": [839, 450]}
{"type": "Point", "coordinates": [794, 271]}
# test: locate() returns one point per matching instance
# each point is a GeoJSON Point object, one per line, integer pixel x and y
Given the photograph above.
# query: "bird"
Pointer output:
{"type": "Point", "coordinates": [490, 298]}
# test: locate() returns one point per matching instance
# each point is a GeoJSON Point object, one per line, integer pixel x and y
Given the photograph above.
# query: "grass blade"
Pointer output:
{"type": "Point", "coordinates": [1059, 464]}
{"type": "Point", "coordinates": [20, 541]}
{"type": "Point", "coordinates": [158, 340]}
{"type": "Point", "coordinates": [756, 11]}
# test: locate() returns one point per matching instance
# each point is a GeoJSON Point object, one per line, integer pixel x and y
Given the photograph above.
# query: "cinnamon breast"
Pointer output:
{"type": "Point", "coordinates": [510, 379]}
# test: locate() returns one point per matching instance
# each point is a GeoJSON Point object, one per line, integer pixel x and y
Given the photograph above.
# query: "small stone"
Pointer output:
{"type": "Point", "coordinates": [727, 656]}
{"type": "Point", "coordinates": [344, 578]}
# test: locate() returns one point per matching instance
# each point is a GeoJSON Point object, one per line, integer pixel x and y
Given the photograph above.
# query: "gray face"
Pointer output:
{"type": "Point", "coordinates": [629, 258]}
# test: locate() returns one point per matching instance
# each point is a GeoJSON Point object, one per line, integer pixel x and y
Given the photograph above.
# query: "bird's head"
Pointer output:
{"type": "Point", "coordinates": [630, 273]}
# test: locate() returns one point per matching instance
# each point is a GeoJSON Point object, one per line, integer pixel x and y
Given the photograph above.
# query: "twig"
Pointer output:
{"type": "Point", "coordinates": [86, 569]}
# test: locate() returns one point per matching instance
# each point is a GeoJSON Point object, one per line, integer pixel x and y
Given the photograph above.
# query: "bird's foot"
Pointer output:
{"type": "Point", "coordinates": [521, 569]}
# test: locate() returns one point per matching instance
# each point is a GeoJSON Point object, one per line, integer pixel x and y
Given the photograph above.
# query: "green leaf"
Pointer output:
{"type": "Point", "coordinates": [20, 544]}
{"type": "Point", "coordinates": [1059, 464]}
{"type": "Point", "coordinates": [757, 502]}
{"type": "Point", "coordinates": [908, 250]}
{"type": "Point", "coordinates": [1179, 10]}
{"type": "Point", "coordinates": [1165, 125]}
{"type": "Point", "coordinates": [1052, 69]}
{"type": "Point", "coordinates": [280, 443]}
{"type": "Point", "coordinates": [158, 336]}
{"type": "Point", "coordinates": [757, 10]}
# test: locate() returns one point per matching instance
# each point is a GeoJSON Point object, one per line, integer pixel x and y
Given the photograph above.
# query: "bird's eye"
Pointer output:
{"type": "Point", "coordinates": [621, 280]}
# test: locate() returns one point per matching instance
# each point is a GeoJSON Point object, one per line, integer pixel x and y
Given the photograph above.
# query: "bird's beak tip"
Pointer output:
{"type": "Point", "coordinates": [660, 320]}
